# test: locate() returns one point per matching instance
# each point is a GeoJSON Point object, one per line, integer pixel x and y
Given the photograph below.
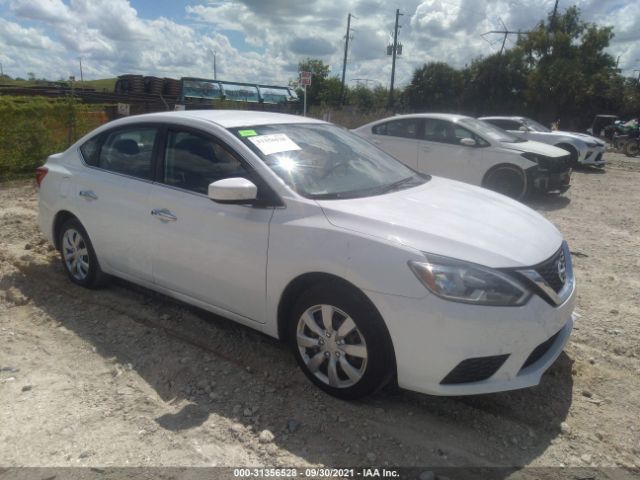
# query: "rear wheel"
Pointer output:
{"type": "Point", "coordinates": [507, 180]}
{"type": "Point", "coordinates": [632, 148]}
{"type": "Point", "coordinates": [340, 342]}
{"type": "Point", "coordinates": [78, 257]}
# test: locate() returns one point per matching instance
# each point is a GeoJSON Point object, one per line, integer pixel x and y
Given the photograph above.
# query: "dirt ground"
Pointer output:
{"type": "Point", "coordinates": [127, 377]}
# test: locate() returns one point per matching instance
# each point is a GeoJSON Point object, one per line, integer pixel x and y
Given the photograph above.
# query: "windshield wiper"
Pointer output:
{"type": "Point", "coordinates": [396, 185]}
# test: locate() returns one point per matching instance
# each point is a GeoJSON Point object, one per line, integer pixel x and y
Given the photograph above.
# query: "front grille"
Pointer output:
{"type": "Point", "coordinates": [549, 271]}
{"type": "Point", "coordinates": [599, 157]}
{"type": "Point", "coordinates": [539, 351]}
{"type": "Point", "coordinates": [474, 369]}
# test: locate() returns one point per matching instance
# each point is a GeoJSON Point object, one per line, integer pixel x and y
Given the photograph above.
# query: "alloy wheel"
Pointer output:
{"type": "Point", "coordinates": [75, 254]}
{"type": "Point", "coordinates": [331, 346]}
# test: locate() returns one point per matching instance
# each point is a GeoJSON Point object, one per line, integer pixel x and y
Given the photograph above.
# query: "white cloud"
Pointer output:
{"type": "Point", "coordinates": [47, 36]}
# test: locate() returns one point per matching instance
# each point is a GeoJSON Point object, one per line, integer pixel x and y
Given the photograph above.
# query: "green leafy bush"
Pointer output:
{"type": "Point", "coordinates": [32, 128]}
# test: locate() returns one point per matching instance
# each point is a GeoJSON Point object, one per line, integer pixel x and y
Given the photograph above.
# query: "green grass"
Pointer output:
{"type": "Point", "coordinates": [102, 84]}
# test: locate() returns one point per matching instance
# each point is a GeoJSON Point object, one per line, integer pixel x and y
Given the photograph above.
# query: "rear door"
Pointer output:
{"type": "Point", "coordinates": [111, 193]}
{"type": "Point", "coordinates": [211, 252]}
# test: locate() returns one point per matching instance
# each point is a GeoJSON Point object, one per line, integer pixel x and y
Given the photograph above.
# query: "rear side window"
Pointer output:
{"type": "Point", "coordinates": [91, 150]}
{"type": "Point", "coordinates": [405, 128]}
{"type": "Point", "coordinates": [193, 161]}
{"type": "Point", "coordinates": [128, 151]}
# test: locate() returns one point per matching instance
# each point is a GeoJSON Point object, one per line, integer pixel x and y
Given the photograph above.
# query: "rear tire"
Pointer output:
{"type": "Point", "coordinates": [508, 180]}
{"type": "Point", "coordinates": [632, 148]}
{"type": "Point", "coordinates": [78, 257]}
{"type": "Point", "coordinates": [341, 342]}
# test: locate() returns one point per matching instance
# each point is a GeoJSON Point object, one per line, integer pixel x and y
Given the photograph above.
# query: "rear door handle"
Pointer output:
{"type": "Point", "coordinates": [164, 214]}
{"type": "Point", "coordinates": [88, 195]}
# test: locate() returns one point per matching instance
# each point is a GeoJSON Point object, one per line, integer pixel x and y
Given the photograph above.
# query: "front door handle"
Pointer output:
{"type": "Point", "coordinates": [164, 214]}
{"type": "Point", "coordinates": [88, 195]}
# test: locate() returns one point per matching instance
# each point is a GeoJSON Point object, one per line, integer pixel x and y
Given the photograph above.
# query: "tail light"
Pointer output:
{"type": "Point", "coordinates": [41, 172]}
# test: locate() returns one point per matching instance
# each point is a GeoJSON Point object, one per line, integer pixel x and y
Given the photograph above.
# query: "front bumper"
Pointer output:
{"type": "Point", "coordinates": [544, 181]}
{"type": "Point", "coordinates": [432, 337]}
{"type": "Point", "coordinates": [594, 156]}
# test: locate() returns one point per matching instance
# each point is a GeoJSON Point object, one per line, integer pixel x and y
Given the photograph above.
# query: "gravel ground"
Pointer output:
{"type": "Point", "coordinates": [127, 377]}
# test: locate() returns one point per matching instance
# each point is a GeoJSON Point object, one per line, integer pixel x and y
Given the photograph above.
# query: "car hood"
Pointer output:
{"type": "Point", "coordinates": [584, 137]}
{"type": "Point", "coordinates": [452, 219]}
{"type": "Point", "coordinates": [574, 135]}
{"type": "Point", "coordinates": [538, 148]}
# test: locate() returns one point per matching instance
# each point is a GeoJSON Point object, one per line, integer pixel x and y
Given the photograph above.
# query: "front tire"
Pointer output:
{"type": "Point", "coordinates": [341, 342]}
{"type": "Point", "coordinates": [508, 180]}
{"type": "Point", "coordinates": [78, 256]}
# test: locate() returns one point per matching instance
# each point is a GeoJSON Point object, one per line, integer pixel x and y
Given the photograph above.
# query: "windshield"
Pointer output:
{"type": "Point", "coordinates": [535, 126]}
{"type": "Point", "coordinates": [327, 162]}
{"type": "Point", "coordinates": [485, 129]}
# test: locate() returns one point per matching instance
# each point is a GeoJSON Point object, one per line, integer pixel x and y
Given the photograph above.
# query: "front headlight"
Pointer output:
{"type": "Point", "coordinates": [469, 283]}
{"type": "Point", "coordinates": [591, 144]}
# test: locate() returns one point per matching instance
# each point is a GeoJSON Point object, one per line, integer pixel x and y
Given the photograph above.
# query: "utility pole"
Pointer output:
{"type": "Point", "coordinates": [553, 17]}
{"type": "Point", "coordinates": [81, 77]}
{"type": "Point", "coordinates": [344, 63]}
{"type": "Point", "coordinates": [394, 51]}
{"type": "Point", "coordinates": [215, 74]}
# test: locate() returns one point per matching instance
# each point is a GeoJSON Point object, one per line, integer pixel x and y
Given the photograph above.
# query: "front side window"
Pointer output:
{"type": "Point", "coordinates": [192, 161]}
{"type": "Point", "coordinates": [128, 151]}
{"type": "Point", "coordinates": [535, 126]}
{"type": "Point", "coordinates": [487, 130]}
{"type": "Point", "coordinates": [327, 162]}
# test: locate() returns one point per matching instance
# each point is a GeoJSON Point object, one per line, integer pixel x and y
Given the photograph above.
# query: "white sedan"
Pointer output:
{"type": "Point", "coordinates": [466, 149]}
{"type": "Point", "coordinates": [306, 232]}
{"type": "Point", "coordinates": [584, 149]}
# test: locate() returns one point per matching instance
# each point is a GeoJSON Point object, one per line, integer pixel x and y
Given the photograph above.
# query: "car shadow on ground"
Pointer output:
{"type": "Point", "coordinates": [201, 365]}
{"type": "Point", "coordinates": [547, 202]}
{"type": "Point", "coordinates": [589, 170]}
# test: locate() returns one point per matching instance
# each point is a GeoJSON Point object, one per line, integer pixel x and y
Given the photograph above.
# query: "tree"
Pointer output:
{"type": "Point", "coordinates": [495, 84]}
{"type": "Point", "coordinates": [570, 73]}
{"type": "Point", "coordinates": [324, 90]}
{"type": "Point", "coordinates": [434, 87]}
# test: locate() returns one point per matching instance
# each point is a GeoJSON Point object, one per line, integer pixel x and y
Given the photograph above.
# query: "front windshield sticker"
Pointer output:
{"type": "Point", "coordinates": [247, 133]}
{"type": "Point", "coordinates": [274, 143]}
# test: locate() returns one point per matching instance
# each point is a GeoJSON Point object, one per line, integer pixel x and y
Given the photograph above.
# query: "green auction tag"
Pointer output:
{"type": "Point", "coordinates": [247, 133]}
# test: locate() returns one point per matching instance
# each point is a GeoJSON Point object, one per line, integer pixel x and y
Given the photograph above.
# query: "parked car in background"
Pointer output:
{"type": "Point", "coordinates": [472, 151]}
{"type": "Point", "coordinates": [306, 232]}
{"type": "Point", "coordinates": [603, 126]}
{"type": "Point", "coordinates": [584, 149]}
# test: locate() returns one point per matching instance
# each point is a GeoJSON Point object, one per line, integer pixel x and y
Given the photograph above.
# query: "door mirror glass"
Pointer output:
{"type": "Point", "coordinates": [523, 128]}
{"type": "Point", "coordinates": [469, 142]}
{"type": "Point", "coordinates": [234, 190]}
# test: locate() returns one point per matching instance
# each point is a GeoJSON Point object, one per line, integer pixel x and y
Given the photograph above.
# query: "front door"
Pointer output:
{"type": "Point", "coordinates": [211, 252]}
{"type": "Point", "coordinates": [441, 153]}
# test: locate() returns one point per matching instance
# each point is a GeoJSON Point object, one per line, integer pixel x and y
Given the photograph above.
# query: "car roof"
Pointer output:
{"type": "Point", "coordinates": [453, 117]}
{"type": "Point", "coordinates": [502, 118]}
{"type": "Point", "coordinates": [228, 118]}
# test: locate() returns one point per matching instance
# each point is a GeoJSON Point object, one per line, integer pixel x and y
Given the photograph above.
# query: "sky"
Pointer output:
{"type": "Point", "coordinates": [262, 41]}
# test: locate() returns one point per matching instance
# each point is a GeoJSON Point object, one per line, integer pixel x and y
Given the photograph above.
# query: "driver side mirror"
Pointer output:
{"type": "Point", "coordinates": [236, 190]}
{"type": "Point", "coordinates": [523, 128]}
{"type": "Point", "coordinates": [468, 142]}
